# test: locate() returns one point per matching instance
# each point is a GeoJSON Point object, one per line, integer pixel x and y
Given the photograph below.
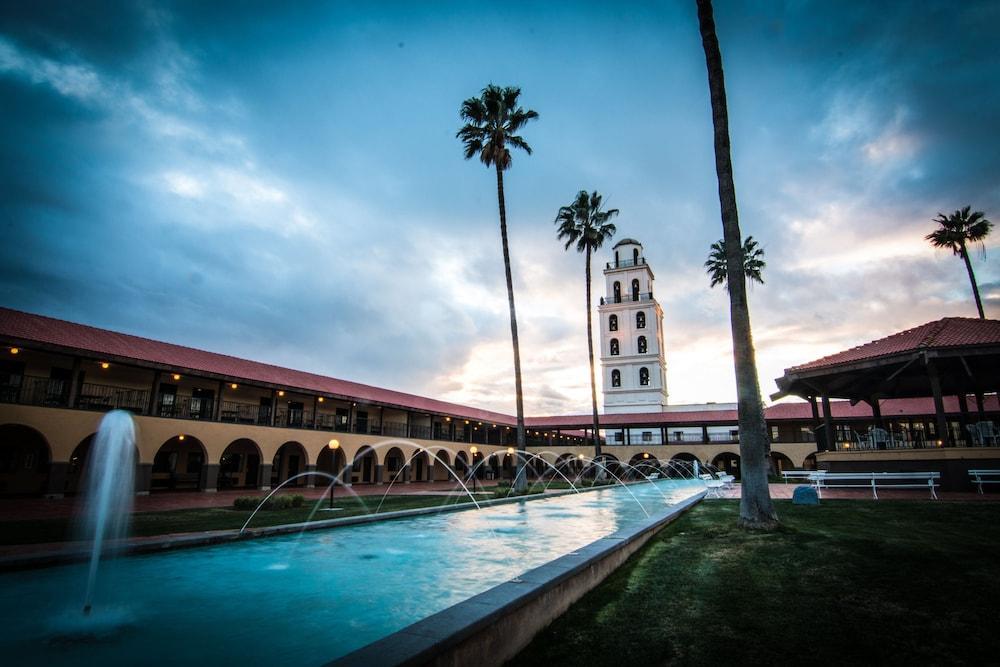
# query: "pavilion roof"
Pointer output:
{"type": "Point", "coordinates": [950, 332]}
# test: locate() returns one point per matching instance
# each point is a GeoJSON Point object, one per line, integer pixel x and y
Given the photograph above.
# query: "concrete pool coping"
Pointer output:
{"type": "Point", "coordinates": [494, 626]}
{"type": "Point", "coordinates": [157, 544]}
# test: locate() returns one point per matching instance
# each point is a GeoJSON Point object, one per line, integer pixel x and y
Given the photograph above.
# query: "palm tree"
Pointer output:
{"type": "Point", "coordinates": [756, 508]}
{"type": "Point", "coordinates": [753, 262]}
{"type": "Point", "coordinates": [585, 224]}
{"type": "Point", "coordinates": [492, 122]}
{"type": "Point", "coordinates": [956, 231]}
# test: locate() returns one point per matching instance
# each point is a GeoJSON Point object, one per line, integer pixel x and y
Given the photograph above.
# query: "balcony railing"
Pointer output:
{"type": "Point", "coordinates": [628, 298]}
{"type": "Point", "coordinates": [626, 263]}
{"type": "Point", "coordinates": [42, 391]}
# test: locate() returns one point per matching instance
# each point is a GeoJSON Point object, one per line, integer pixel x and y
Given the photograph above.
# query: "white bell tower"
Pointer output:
{"type": "Point", "coordinates": [632, 363]}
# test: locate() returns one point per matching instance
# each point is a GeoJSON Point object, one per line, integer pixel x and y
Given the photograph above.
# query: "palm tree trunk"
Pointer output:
{"type": "Point", "coordinates": [756, 509]}
{"type": "Point", "coordinates": [972, 279]}
{"type": "Point", "coordinates": [590, 353]}
{"type": "Point", "coordinates": [520, 480]}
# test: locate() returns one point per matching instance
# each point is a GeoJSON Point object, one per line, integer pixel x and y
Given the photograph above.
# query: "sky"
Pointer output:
{"type": "Point", "coordinates": [282, 181]}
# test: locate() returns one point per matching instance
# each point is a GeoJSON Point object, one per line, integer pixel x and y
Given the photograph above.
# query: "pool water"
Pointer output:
{"type": "Point", "coordinates": [301, 599]}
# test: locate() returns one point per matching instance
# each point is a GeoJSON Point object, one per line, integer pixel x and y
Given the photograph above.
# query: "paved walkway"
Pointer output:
{"type": "Point", "coordinates": [37, 508]}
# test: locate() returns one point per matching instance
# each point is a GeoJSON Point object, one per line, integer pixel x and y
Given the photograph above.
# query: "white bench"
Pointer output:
{"type": "Point", "coordinates": [800, 474]}
{"type": "Point", "coordinates": [980, 477]}
{"type": "Point", "coordinates": [713, 485]}
{"type": "Point", "coordinates": [872, 480]}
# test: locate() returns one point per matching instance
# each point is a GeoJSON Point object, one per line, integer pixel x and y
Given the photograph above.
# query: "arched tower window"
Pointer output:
{"type": "Point", "coordinates": [644, 376]}
{"type": "Point", "coordinates": [635, 289]}
{"type": "Point", "coordinates": [618, 292]}
{"type": "Point", "coordinates": [635, 256]}
{"type": "Point", "coordinates": [616, 378]}
{"type": "Point", "coordinates": [640, 320]}
{"type": "Point", "coordinates": [642, 345]}
{"type": "Point", "coordinates": [614, 347]}
{"type": "Point", "coordinates": [613, 323]}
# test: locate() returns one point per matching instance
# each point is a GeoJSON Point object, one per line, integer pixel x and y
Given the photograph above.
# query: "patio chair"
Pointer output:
{"type": "Point", "coordinates": [862, 441]}
{"type": "Point", "coordinates": [879, 438]}
{"type": "Point", "coordinates": [975, 437]}
{"type": "Point", "coordinates": [988, 436]}
{"type": "Point", "coordinates": [726, 479]}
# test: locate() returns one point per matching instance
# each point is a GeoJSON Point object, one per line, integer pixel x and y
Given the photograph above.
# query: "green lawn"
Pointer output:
{"type": "Point", "coordinates": [217, 518]}
{"type": "Point", "coordinates": [848, 582]}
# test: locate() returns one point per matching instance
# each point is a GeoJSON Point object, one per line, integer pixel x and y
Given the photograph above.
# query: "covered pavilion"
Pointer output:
{"type": "Point", "coordinates": [954, 356]}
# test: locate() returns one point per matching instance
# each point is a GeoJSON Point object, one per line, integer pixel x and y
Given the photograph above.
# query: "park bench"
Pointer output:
{"type": "Point", "coordinates": [800, 474]}
{"type": "Point", "coordinates": [872, 480]}
{"type": "Point", "coordinates": [980, 477]}
{"type": "Point", "coordinates": [713, 485]}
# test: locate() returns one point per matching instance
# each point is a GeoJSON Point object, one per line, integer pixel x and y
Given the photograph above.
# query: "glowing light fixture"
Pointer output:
{"type": "Point", "coordinates": [281, 393]}
{"type": "Point", "coordinates": [580, 457]}
{"type": "Point", "coordinates": [473, 449]}
{"type": "Point", "coordinates": [180, 437]}
{"type": "Point", "coordinates": [333, 444]}
{"type": "Point", "coordinates": [105, 365]}
{"type": "Point", "coordinates": [510, 450]}
{"type": "Point", "coordinates": [176, 377]}
{"type": "Point", "coordinates": [645, 455]}
{"type": "Point", "coordinates": [234, 386]}
{"type": "Point", "coordinates": [14, 350]}
{"type": "Point", "coordinates": [320, 399]}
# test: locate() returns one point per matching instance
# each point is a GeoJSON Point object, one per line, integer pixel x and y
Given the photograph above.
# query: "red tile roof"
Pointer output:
{"type": "Point", "coordinates": [102, 343]}
{"type": "Point", "coordinates": [949, 332]}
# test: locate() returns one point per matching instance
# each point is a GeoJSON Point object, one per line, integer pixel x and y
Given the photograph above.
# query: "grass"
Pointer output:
{"type": "Point", "coordinates": [215, 518]}
{"type": "Point", "coordinates": [848, 582]}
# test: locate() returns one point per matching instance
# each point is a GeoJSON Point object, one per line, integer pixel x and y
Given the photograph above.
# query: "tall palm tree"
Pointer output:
{"type": "Point", "coordinates": [492, 123]}
{"type": "Point", "coordinates": [956, 231]}
{"type": "Point", "coordinates": [753, 262]}
{"type": "Point", "coordinates": [756, 508]}
{"type": "Point", "coordinates": [585, 224]}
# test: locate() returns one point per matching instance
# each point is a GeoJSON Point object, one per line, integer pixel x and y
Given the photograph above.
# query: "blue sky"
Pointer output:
{"type": "Point", "coordinates": [284, 183]}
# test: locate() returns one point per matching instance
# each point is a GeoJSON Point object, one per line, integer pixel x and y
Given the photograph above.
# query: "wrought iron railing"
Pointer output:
{"type": "Point", "coordinates": [627, 298]}
{"type": "Point", "coordinates": [626, 263]}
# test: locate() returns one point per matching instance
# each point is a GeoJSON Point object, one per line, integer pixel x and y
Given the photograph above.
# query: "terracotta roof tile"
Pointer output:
{"type": "Point", "coordinates": [944, 333]}
{"type": "Point", "coordinates": [28, 327]}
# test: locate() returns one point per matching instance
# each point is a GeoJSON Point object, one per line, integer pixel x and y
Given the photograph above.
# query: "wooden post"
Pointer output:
{"type": "Point", "coordinates": [942, 424]}
{"type": "Point", "coordinates": [815, 414]}
{"type": "Point", "coordinates": [876, 411]}
{"type": "Point", "coordinates": [704, 433]}
{"type": "Point", "coordinates": [963, 407]}
{"type": "Point", "coordinates": [74, 384]}
{"type": "Point", "coordinates": [154, 394]}
{"type": "Point", "coordinates": [274, 407]}
{"type": "Point", "coordinates": [217, 408]}
{"type": "Point", "coordinates": [315, 412]}
{"type": "Point", "coordinates": [980, 408]}
{"type": "Point", "coordinates": [831, 437]}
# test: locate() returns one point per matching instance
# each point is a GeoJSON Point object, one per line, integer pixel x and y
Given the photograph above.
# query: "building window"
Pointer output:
{"type": "Point", "coordinates": [618, 292]}
{"type": "Point", "coordinates": [647, 436]}
{"type": "Point", "coordinates": [616, 378]}
{"type": "Point", "coordinates": [640, 320]}
{"type": "Point", "coordinates": [635, 256]}
{"type": "Point", "coordinates": [614, 347]}
{"type": "Point", "coordinates": [642, 345]}
{"type": "Point", "coordinates": [644, 376]}
{"type": "Point", "coordinates": [635, 289]}
{"type": "Point", "coordinates": [613, 323]}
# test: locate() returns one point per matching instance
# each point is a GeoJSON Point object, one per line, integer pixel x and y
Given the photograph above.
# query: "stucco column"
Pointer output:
{"type": "Point", "coordinates": [143, 478]}
{"type": "Point", "coordinates": [311, 479]}
{"type": "Point", "coordinates": [378, 474]}
{"type": "Point", "coordinates": [264, 484]}
{"type": "Point", "coordinates": [210, 477]}
{"type": "Point", "coordinates": [56, 486]}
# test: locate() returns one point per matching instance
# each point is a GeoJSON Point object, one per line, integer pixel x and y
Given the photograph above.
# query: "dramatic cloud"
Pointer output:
{"type": "Point", "coordinates": [285, 184]}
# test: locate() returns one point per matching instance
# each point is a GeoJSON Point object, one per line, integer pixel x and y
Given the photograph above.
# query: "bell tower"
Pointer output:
{"type": "Point", "coordinates": [633, 367]}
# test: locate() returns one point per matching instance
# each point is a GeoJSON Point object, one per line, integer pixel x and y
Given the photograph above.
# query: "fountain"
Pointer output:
{"type": "Point", "coordinates": [110, 487]}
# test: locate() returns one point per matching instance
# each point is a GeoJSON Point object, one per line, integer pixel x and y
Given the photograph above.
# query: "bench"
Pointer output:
{"type": "Point", "coordinates": [872, 480]}
{"type": "Point", "coordinates": [980, 477]}
{"type": "Point", "coordinates": [800, 474]}
{"type": "Point", "coordinates": [713, 485]}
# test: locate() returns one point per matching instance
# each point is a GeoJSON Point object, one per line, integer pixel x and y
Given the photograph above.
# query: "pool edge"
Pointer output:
{"type": "Point", "coordinates": [494, 626]}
